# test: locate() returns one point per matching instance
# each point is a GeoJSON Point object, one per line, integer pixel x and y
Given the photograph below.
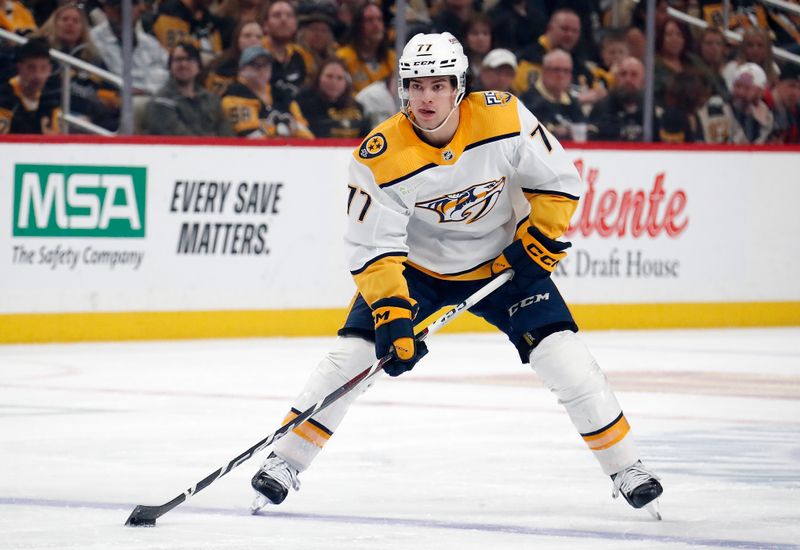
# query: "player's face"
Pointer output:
{"type": "Point", "coordinates": [431, 99]}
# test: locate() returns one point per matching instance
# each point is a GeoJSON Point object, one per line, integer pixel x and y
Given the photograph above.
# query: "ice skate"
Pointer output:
{"type": "Point", "coordinates": [640, 487]}
{"type": "Point", "coordinates": [272, 482]}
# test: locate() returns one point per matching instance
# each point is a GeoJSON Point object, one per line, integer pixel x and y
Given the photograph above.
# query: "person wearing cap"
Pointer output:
{"type": "Point", "coordinates": [183, 107]}
{"type": "Point", "coordinates": [498, 70]}
{"type": "Point", "coordinates": [753, 118]}
{"type": "Point", "coordinates": [27, 105]}
{"type": "Point", "coordinates": [785, 105]}
{"type": "Point", "coordinates": [316, 40]}
{"type": "Point", "coordinates": [250, 106]}
{"type": "Point", "coordinates": [288, 66]}
{"type": "Point", "coordinates": [149, 69]}
{"type": "Point", "coordinates": [549, 98]}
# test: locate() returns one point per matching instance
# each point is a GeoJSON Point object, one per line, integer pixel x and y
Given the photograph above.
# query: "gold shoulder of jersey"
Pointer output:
{"type": "Point", "coordinates": [379, 139]}
{"type": "Point", "coordinates": [493, 114]}
{"type": "Point", "coordinates": [391, 151]}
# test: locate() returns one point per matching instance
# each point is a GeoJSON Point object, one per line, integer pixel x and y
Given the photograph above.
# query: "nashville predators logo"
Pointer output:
{"type": "Point", "coordinates": [372, 146]}
{"type": "Point", "coordinates": [468, 205]}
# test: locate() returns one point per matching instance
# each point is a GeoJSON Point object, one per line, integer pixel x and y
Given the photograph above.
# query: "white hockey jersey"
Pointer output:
{"type": "Point", "coordinates": [451, 211]}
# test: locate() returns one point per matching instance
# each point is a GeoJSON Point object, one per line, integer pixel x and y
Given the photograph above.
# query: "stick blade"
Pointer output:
{"type": "Point", "coordinates": [143, 516]}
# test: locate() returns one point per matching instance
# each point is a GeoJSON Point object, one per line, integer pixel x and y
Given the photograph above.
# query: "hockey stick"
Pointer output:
{"type": "Point", "coordinates": [147, 515]}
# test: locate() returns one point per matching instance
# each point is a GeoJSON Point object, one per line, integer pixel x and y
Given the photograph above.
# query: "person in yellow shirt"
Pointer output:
{"type": "Point", "coordinates": [368, 54]}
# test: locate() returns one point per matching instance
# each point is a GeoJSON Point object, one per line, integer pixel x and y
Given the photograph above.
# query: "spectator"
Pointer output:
{"type": "Point", "coordinates": [183, 107]}
{"type": "Point", "coordinates": [249, 106]}
{"type": "Point", "coordinates": [673, 55]}
{"type": "Point", "coordinates": [679, 121]}
{"type": "Point", "coordinates": [315, 37]}
{"type": "Point", "coordinates": [379, 100]}
{"type": "Point", "coordinates": [563, 32]}
{"type": "Point", "coordinates": [221, 72]}
{"type": "Point", "coordinates": [713, 52]}
{"type": "Point", "coordinates": [329, 106]}
{"type": "Point", "coordinates": [613, 49]}
{"type": "Point", "coordinates": [67, 30]}
{"type": "Point", "coordinates": [26, 105]}
{"type": "Point", "coordinates": [785, 105]}
{"type": "Point", "coordinates": [453, 17]}
{"type": "Point", "coordinates": [550, 101]}
{"type": "Point", "coordinates": [149, 70]}
{"type": "Point", "coordinates": [179, 21]}
{"type": "Point", "coordinates": [620, 115]}
{"type": "Point", "coordinates": [498, 71]}
{"type": "Point", "coordinates": [368, 53]}
{"type": "Point", "coordinates": [716, 120]}
{"type": "Point", "coordinates": [756, 47]}
{"type": "Point", "coordinates": [288, 65]}
{"type": "Point", "coordinates": [15, 17]}
{"type": "Point", "coordinates": [517, 23]}
{"type": "Point", "coordinates": [478, 43]}
{"type": "Point", "coordinates": [753, 117]}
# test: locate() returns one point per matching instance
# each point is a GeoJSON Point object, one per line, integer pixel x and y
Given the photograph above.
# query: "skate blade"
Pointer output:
{"type": "Point", "coordinates": [654, 509]}
{"type": "Point", "coordinates": [259, 502]}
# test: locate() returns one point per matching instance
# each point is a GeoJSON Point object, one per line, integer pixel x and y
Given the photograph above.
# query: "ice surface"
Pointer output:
{"type": "Point", "coordinates": [466, 452]}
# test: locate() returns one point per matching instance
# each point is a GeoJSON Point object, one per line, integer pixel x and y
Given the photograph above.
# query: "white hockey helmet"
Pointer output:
{"type": "Point", "coordinates": [437, 54]}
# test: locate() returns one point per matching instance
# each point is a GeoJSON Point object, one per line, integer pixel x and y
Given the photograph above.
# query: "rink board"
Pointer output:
{"type": "Point", "coordinates": [108, 240]}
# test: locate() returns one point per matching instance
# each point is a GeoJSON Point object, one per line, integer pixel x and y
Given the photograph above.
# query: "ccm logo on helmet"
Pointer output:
{"type": "Point", "coordinates": [535, 299]}
{"type": "Point", "coordinates": [424, 63]}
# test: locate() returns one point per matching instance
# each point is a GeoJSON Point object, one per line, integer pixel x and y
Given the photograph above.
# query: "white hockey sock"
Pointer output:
{"type": "Point", "coordinates": [568, 369]}
{"type": "Point", "coordinates": [349, 356]}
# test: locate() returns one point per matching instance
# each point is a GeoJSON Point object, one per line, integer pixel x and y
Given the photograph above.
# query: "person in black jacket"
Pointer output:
{"type": "Point", "coordinates": [620, 115]}
{"type": "Point", "coordinates": [329, 106]}
{"type": "Point", "coordinates": [27, 106]}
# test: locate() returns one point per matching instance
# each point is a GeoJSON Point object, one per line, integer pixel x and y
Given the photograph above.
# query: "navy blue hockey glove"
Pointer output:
{"type": "Point", "coordinates": [532, 257]}
{"type": "Point", "coordinates": [394, 333]}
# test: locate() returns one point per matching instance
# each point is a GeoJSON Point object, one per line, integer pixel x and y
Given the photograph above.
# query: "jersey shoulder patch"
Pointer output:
{"type": "Point", "coordinates": [494, 114]}
{"type": "Point", "coordinates": [390, 151]}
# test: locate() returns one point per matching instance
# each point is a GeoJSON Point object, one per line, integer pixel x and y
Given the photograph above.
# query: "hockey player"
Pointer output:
{"type": "Point", "coordinates": [444, 195]}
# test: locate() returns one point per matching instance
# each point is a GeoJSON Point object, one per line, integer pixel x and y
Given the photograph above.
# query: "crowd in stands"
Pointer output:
{"type": "Point", "coordinates": [326, 68]}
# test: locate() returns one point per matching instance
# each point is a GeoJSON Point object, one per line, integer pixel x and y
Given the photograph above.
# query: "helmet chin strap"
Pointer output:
{"type": "Point", "coordinates": [431, 130]}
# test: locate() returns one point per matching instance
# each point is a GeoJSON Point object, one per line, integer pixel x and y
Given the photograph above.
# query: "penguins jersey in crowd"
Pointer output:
{"type": "Point", "coordinates": [21, 115]}
{"type": "Point", "coordinates": [176, 22]}
{"type": "Point", "coordinates": [251, 116]}
{"type": "Point", "coordinates": [450, 211]}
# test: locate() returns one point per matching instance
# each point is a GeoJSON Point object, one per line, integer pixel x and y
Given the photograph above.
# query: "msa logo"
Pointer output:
{"type": "Point", "coordinates": [530, 300]}
{"type": "Point", "coordinates": [79, 201]}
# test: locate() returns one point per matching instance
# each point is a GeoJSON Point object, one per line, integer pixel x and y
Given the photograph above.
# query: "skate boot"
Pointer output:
{"type": "Point", "coordinates": [640, 487]}
{"type": "Point", "coordinates": [272, 482]}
